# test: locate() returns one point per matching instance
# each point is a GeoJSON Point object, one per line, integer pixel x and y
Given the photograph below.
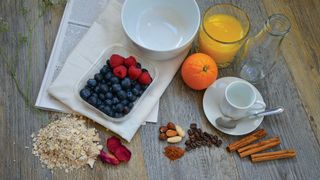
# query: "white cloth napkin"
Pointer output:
{"type": "Point", "coordinates": [104, 32]}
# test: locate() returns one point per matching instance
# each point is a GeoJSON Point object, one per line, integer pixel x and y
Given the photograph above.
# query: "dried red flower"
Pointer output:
{"type": "Point", "coordinates": [108, 158]}
{"type": "Point", "coordinates": [123, 154]}
{"type": "Point", "coordinates": [113, 143]}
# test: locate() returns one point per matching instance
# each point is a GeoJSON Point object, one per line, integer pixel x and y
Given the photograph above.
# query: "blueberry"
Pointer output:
{"type": "Point", "coordinates": [104, 70]}
{"type": "Point", "coordinates": [109, 95]}
{"type": "Point", "coordinates": [111, 114]}
{"type": "Point", "coordinates": [108, 63]}
{"type": "Point", "coordinates": [125, 102]}
{"type": "Point", "coordinates": [98, 77]}
{"type": "Point", "coordinates": [107, 110]}
{"type": "Point", "coordinates": [141, 92]}
{"type": "Point", "coordinates": [92, 100]}
{"type": "Point", "coordinates": [100, 107]}
{"type": "Point", "coordinates": [103, 81]}
{"type": "Point", "coordinates": [116, 88]}
{"type": "Point", "coordinates": [118, 115]}
{"type": "Point", "coordinates": [115, 100]}
{"type": "Point", "coordinates": [119, 107]}
{"type": "Point", "coordinates": [108, 102]}
{"type": "Point", "coordinates": [104, 88]}
{"type": "Point", "coordinates": [132, 98]}
{"type": "Point", "coordinates": [135, 92]}
{"type": "Point", "coordinates": [85, 93]}
{"type": "Point", "coordinates": [113, 107]}
{"type": "Point", "coordinates": [108, 75]}
{"type": "Point", "coordinates": [144, 87]}
{"type": "Point", "coordinates": [94, 95]}
{"type": "Point", "coordinates": [138, 65]}
{"type": "Point", "coordinates": [130, 105]}
{"type": "Point", "coordinates": [137, 86]}
{"type": "Point", "coordinates": [99, 102]}
{"type": "Point", "coordinates": [114, 80]}
{"type": "Point", "coordinates": [121, 94]}
{"type": "Point", "coordinates": [88, 87]}
{"type": "Point", "coordinates": [92, 83]}
{"type": "Point", "coordinates": [97, 89]}
{"type": "Point", "coordinates": [129, 94]}
{"type": "Point", "coordinates": [102, 96]}
{"type": "Point", "coordinates": [126, 110]}
{"type": "Point", "coordinates": [133, 83]}
{"type": "Point", "coordinates": [126, 83]}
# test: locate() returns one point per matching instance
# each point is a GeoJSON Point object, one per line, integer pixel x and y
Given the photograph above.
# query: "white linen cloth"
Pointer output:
{"type": "Point", "coordinates": [104, 32]}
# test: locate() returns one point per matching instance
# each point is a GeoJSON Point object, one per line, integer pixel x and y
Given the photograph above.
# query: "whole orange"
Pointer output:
{"type": "Point", "coordinates": [199, 71]}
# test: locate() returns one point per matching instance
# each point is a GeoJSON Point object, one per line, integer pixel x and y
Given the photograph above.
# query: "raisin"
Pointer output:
{"type": "Point", "coordinates": [193, 126]}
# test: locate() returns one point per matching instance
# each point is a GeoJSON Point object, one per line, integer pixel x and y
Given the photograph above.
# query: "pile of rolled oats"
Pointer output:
{"type": "Point", "coordinates": [67, 143]}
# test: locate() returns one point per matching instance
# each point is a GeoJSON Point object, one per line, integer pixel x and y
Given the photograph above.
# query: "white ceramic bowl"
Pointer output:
{"type": "Point", "coordinates": [162, 29]}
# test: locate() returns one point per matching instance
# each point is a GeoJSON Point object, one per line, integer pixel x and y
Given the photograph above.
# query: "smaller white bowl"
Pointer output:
{"type": "Point", "coordinates": [162, 29]}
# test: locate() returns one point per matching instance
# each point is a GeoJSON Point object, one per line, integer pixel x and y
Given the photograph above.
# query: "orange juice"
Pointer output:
{"type": "Point", "coordinates": [219, 37]}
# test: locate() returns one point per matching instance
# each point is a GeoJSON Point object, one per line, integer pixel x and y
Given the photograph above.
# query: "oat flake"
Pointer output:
{"type": "Point", "coordinates": [67, 143]}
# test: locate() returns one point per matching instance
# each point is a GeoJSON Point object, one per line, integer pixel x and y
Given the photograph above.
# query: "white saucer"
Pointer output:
{"type": "Point", "coordinates": [211, 99]}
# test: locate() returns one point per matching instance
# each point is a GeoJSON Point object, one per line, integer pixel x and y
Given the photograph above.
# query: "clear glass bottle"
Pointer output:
{"type": "Point", "coordinates": [260, 53]}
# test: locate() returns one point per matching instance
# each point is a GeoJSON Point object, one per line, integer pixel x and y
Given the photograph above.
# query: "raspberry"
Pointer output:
{"type": "Point", "coordinates": [134, 72]}
{"type": "Point", "coordinates": [145, 78]}
{"type": "Point", "coordinates": [130, 61]}
{"type": "Point", "coordinates": [120, 71]}
{"type": "Point", "coordinates": [116, 60]}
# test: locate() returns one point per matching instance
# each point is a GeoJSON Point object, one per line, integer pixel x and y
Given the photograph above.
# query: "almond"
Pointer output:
{"type": "Point", "coordinates": [171, 133]}
{"type": "Point", "coordinates": [170, 125]}
{"type": "Point", "coordinates": [163, 129]}
{"type": "Point", "coordinates": [180, 131]}
{"type": "Point", "coordinates": [163, 136]}
{"type": "Point", "coordinates": [174, 139]}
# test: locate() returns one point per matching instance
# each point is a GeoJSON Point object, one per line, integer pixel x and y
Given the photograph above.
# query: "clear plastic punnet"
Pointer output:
{"type": "Point", "coordinates": [100, 62]}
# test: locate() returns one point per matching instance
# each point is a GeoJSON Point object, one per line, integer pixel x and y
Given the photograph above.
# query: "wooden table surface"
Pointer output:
{"type": "Point", "coordinates": [27, 33]}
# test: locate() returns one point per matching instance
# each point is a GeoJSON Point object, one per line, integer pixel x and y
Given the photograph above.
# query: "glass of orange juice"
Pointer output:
{"type": "Point", "coordinates": [223, 30]}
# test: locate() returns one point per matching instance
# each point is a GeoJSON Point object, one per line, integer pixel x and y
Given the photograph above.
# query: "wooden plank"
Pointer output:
{"type": "Point", "coordinates": [182, 105]}
{"type": "Point", "coordinates": [292, 126]}
{"type": "Point", "coordinates": [18, 120]}
{"type": "Point", "coordinates": [135, 169]}
{"type": "Point", "coordinates": [179, 104]}
{"type": "Point", "coordinates": [301, 50]}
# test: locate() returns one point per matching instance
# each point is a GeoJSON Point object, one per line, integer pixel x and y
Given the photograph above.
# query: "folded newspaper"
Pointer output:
{"type": "Point", "coordinates": [77, 19]}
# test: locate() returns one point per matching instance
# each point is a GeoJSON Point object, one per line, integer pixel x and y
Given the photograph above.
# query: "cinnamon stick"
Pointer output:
{"type": "Point", "coordinates": [247, 140]}
{"type": "Point", "coordinates": [245, 148]}
{"type": "Point", "coordinates": [273, 155]}
{"type": "Point", "coordinates": [260, 146]}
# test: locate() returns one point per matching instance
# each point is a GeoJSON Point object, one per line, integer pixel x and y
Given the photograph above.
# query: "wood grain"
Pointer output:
{"type": "Point", "coordinates": [294, 83]}
{"type": "Point", "coordinates": [203, 163]}
{"type": "Point", "coordinates": [301, 50]}
{"type": "Point", "coordinates": [278, 89]}
{"type": "Point", "coordinates": [19, 120]}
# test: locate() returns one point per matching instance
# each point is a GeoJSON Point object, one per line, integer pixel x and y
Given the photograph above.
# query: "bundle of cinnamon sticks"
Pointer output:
{"type": "Point", "coordinates": [245, 148]}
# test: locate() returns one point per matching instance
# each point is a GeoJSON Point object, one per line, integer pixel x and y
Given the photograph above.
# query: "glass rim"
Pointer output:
{"type": "Point", "coordinates": [227, 42]}
{"type": "Point", "coordinates": [273, 16]}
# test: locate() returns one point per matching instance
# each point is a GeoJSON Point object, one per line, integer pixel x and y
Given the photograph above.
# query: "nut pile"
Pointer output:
{"type": "Point", "coordinates": [172, 133]}
{"type": "Point", "coordinates": [67, 143]}
{"type": "Point", "coordinates": [197, 138]}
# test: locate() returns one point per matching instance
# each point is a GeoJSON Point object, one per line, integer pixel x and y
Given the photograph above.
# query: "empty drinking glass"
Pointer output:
{"type": "Point", "coordinates": [260, 53]}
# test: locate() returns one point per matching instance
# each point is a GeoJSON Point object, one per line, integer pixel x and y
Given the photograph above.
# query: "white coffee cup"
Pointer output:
{"type": "Point", "coordinates": [240, 98]}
